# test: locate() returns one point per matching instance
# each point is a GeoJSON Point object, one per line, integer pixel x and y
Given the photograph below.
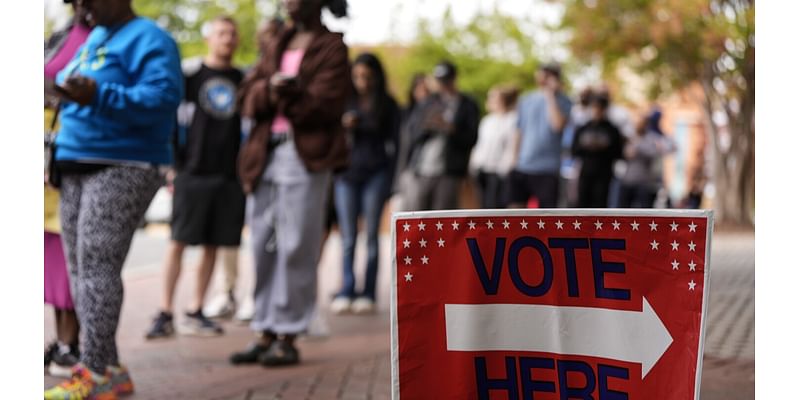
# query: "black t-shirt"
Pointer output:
{"type": "Point", "coordinates": [598, 144]}
{"type": "Point", "coordinates": [210, 144]}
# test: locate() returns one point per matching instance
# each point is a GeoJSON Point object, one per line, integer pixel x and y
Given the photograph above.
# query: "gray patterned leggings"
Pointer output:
{"type": "Point", "coordinates": [99, 215]}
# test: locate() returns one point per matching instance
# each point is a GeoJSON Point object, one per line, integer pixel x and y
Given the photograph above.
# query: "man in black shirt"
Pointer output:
{"type": "Point", "coordinates": [598, 143]}
{"type": "Point", "coordinates": [208, 202]}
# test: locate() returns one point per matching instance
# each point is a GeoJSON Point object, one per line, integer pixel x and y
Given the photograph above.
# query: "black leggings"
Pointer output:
{"type": "Point", "coordinates": [99, 215]}
{"type": "Point", "coordinates": [593, 191]}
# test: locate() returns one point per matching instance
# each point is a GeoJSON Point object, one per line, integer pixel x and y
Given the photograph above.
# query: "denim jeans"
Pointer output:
{"type": "Point", "coordinates": [354, 199]}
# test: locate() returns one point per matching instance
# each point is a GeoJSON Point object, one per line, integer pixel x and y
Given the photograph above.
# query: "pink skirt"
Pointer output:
{"type": "Point", "coordinates": [56, 277]}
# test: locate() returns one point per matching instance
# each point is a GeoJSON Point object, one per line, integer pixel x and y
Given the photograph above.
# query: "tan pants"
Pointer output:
{"type": "Point", "coordinates": [230, 267]}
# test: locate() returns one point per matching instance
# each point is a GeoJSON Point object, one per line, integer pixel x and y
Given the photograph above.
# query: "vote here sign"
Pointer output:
{"type": "Point", "coordinates": [549, 304]}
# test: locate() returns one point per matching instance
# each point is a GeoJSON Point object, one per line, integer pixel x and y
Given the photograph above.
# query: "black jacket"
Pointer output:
{"type": "Point", "coordinates": [460, 140]}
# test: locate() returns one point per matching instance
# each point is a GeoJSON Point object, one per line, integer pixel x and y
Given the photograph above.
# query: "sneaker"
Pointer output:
{"type": "Point", "coordinates": [280, 353]}
{"type": "Point", "coordinates": [62, 360]}
{"type": "Point", "coordinates": [340, 305]}
{"type": "Point", "coordinates": [246, 310]}
{"type": "Point", "coordinates": [223, 307]}
{"type": "Point", "coordinates": [251, 355]}
{"type": "Point", "coordinates": [363, 305]}
{"type": "Point", "coordinates": [48, 352]}
{"type": "Point", "coordinates": [121, 382]}
{"type": "Point", "coordinates": [162, 327]}
{"type": "Point", "coordinates": [196, 324]}
{"type": "Point", "coordinates": [84, 385]}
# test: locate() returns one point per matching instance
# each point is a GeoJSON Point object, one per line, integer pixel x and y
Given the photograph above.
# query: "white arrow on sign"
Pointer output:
{"type": "Point", "coordinates": [632, 336]}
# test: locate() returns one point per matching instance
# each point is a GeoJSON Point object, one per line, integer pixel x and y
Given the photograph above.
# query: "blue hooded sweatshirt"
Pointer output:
{"type": "Point", "coordinates": [139, 85]}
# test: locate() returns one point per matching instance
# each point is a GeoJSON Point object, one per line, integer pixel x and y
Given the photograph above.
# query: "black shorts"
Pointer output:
{"type": "Point", "coordinates": [523, 186]}
{"type": "Point", "coordinates": [207, 210]}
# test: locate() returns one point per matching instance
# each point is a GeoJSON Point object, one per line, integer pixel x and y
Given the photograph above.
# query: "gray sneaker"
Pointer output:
{"type": "Point", "coordinates": [196, 324]}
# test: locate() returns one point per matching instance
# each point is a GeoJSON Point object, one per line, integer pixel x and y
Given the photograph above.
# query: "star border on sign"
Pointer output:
{"type": "Point", "coordinates": [692, 265]}
{"type": "Point", "coordinates": [423, 243]}
{"type": "Point", "coordinates": [616, 225]}
{"type": "Point", "coordinates": [559, 225]}
{"type": "Point", "coordinates": [673, 227]}
{"type": "Point", "coordinates": [409, 276]}
{"type": "Point", "coordinates": [454, 225]}
{"type": "Point", "coordinates": [692, 246]}
{"type": "Point", "coordinates": [506, 224]}
{"type": "Point", "coordinates": [490, 224]}
{"type": "Point", "coordinates": [692, 285]}
{"type": "Point", "coordinates": [523, 224]}
{"type": "Point", "coordinates": [653, 226]}
{"type": "Point", "coordinates": [675, 265]}
{"type": "Point", "coordinates": [421, 226]}
{"type": "Point", "coordinates": [406, 227]}
{"type": "Point", "coordinates": [541, 224]}
{"type": "Point", "coordinates": [598, 225]}
{"type": "Point", "coordinates": [674, 245]}
{"type": "Point", "coordinates": [406, 243]}
{"type": "Point", "coordinates": [654, 245]}
{"type": "Point", "coordinates": [439, 225]}
{"type": "Point", "coordinates": [424, 259]}
{"type": "Point", "coordinates": [576, 225]}
{"type": "Point", "coordinates": [692, 227]}
{"type": "Point", "coordinates": [471, 225]}
{"type": "Point", "coordinates": [441, 242]}
{"type": "Point", "coordinates": [407, 260]}
{"type": "Point", "coordinates": [634, 226]}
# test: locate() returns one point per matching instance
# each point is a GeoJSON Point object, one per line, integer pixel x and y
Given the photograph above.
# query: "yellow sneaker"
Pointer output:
{"type": "Point", "coordinates": [84, 385]}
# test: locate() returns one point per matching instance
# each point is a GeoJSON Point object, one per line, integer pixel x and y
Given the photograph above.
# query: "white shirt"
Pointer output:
{"type": "Point", "coordinates": [494, 152]}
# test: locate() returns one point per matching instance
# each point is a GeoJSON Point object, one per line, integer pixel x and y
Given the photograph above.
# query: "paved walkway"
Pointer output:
{"type": "Point", "coordinates": [352, 360]}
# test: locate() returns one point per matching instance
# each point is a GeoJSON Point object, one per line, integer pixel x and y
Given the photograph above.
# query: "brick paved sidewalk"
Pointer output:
{"type": "Point", "coordinates": [353, 361]}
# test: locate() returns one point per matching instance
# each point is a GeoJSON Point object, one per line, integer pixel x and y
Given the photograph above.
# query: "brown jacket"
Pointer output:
{"type": "Point", "coordinates": [315, 111]}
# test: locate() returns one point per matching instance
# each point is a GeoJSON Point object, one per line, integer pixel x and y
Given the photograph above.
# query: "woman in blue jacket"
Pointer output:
{"type": "Point", "coordinates": [119, 99]}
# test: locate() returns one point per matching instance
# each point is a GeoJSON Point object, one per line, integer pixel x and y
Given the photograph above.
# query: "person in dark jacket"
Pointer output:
{"type": "Point", "coordinates": [295, 97]}
{"type": "Point", "coordinates": [372, 120]}
{"type": "Point", "coordinates": [598, 143]}
{"type": "Point", "coordinates": [441, 143]}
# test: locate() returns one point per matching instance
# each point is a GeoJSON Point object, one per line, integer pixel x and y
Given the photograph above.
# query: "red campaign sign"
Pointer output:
{"type": "Point", "coordinates": [549, 304]}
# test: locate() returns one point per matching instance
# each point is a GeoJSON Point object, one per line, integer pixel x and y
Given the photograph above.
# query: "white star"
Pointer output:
{"type": "Point", "coordinates": [424, 259]}
{"type": "Point", "coordinates": [408, 276]}
{"type": "Point", "coordinates": [577, 225]}
{"type": "Point", "coordinates": [541, 224]}
{"type": "Point", "coordinates": [673, 227]}
{"type": "Point", "coordinates": [421, 226]}
{"type": "Point", "coordinates": [692, 265]}
{"type": "Point", "coordinates": [654, 245]}
{"type": "Point", "coordinates": [559, 224]}
{"type": "Point", "coordinates": [674, 245]}
{"type": "Point", "coordinates": [406, 227]}
{"type": "Point", "coordinates": [524, 224]}
{"type": "Point", "coordinates": [616, 225]}
{"type": "Point", "coordinates": [406, 244]}
{"type": "Point", "coordinates": [675, 264]}
{"type": "Point", "coordinates": [471, 225]}
{"type": "Point", "coordinates": [454, 225]}
{"type": "Point", "coordinates": [653, 226]}
{"type": "Point", "coordinates": [490, 224]}
{"type": "Point", "coordinates": [692, 227]}
{"type": "Point", "coordinates": [635, 226]}
{"type": "Point", "coordinates": [439, 225]}
{"type": "Point", "coordinates": [692, 284]}
{"type": "Point", "coordinates": [441, 242]}
{"type": "Point", "coordinates": [598, 225]}
{"type": "Point", "coordinates": [692, 246]}
{"type": "Point", "coordinates": [506, 224]}
{"type": "Point", "coordinates": [423, 243]}
{"type": "Point", "coordinates": [407, 260]}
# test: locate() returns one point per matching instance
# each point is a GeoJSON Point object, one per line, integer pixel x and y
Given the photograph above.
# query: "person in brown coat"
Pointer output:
{"type": "Point", "coordinates": [295, 98]}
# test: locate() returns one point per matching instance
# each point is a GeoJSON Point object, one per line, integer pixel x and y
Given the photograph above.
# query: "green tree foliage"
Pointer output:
{"type": "Point", "coordinates": [675, 43]}
{"type": "Point", "coordinates": [185, 18]}
{"type": "Point", "coordinates": [491, 49]}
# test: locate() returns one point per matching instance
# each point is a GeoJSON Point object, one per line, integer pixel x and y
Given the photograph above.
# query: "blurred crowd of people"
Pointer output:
{"type": "Point", "coordinates": [304, 138]}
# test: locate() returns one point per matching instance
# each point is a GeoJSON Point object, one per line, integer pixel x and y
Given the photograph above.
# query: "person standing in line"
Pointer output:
{"type": "Point", "coordinates": [642, 179]}
{"type": "Point", "coordinates": [493, 157]}
{"type": "Point", "coordinates": [542, 116]}
{"type": "Point", "coordinates": [122, 91]}
{"type": "Point", "coordinates": [224, 304]}
{"type": "Point", "coordinates": [372, 121]}
{"type": "Point", "coordinates": [598, 144]}
{"type": "Point", "coordinates": [417, 93]}
{"type": "Point", "coordinates": [296, 98]}
{"type": "Point", "coordinates": [441, 142]}
{"type": "Point", "coordinates": [208, 202]}
{"type": "Point", "coordinates": [63, 353]}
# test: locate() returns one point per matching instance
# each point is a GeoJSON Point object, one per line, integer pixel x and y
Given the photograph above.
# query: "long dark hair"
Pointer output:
{"type": "Point", "coordinates": [380, 95]}
{"type": "Point", "coordinates": [418, 78]}
{"type": "Point", "coordinates": [337, 7]}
